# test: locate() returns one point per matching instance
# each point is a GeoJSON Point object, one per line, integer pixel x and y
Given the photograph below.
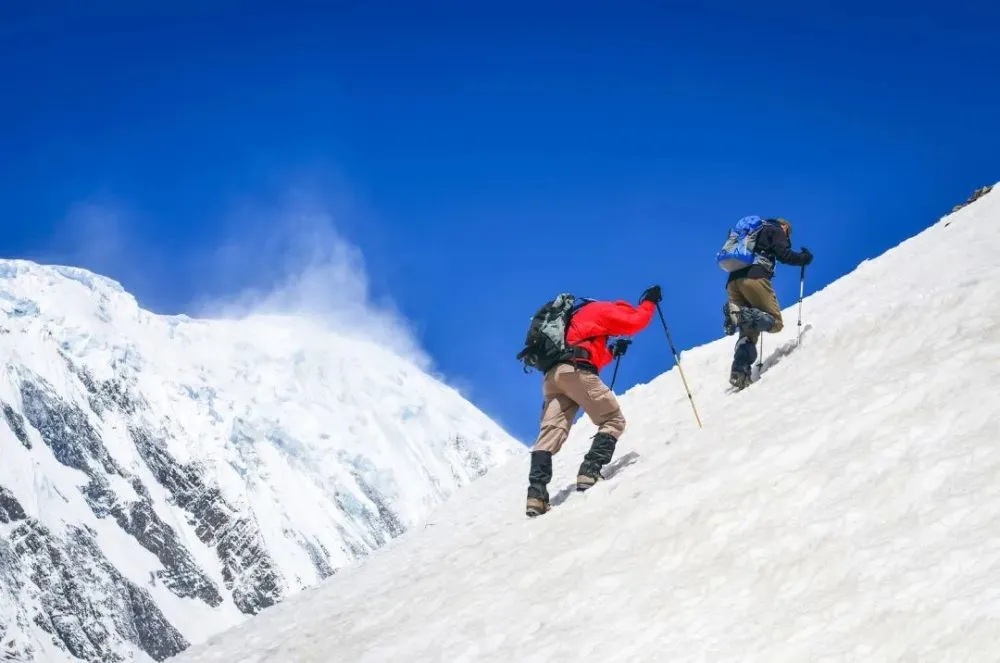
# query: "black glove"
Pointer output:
{"type": "Point", "coordinates": [652, 294]}
{"type": "Point", "coordinates": [619, 347]}
{"type": "Point", "coordinates": [807, 256]}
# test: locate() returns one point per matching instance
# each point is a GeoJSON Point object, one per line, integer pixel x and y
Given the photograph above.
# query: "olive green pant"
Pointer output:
{"type": "Point", "coordinates": [758, 294]}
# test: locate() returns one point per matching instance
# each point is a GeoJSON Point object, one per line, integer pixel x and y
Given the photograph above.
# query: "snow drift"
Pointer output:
{"type": "Point", "coordinates": [163, 478]}
{"type": "Point", "coordinates": [846, 507]}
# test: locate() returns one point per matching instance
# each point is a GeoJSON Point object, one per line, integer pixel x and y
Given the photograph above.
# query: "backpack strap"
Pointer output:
{"type": "Point", "coordinates": [580, 357]}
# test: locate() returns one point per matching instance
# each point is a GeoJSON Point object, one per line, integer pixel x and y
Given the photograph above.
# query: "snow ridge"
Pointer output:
{"type": "Point", "coordinates": [845, 507]}
{"type": "Point", "coordinates": [165, 478]}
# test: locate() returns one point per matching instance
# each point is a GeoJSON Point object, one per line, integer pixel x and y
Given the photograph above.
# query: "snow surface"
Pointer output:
{"type": "Point", "coordinates": [846, 507]}
{"type": "Point", "coordinates": [308, 433]}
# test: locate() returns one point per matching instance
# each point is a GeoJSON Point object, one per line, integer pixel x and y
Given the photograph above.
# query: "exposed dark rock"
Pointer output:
{"type": "Point", "coordinates": [247, 567]}
{"type": "Point", "coordinates": [16, 423]}
{"type": "Point", "coordinates": [181, 573]}
{"type": "Point", "coordinates": [82, 601]}
{"type": "Point", "coordinates": [65, 429]}
{"type": "Point", "coordinates": [108, 394]}
{"type": "Point", "coordinates": [10, 508]}
{"type": "Point", "coordinates": [976, 195]}
{"type": "Point", "coordinates": [115, 392]}
{"type": "Point", "coordinates": [87, 380]}
{"type": "Point", "coordinates": [140, 487]}
{"type": "Point", "coordinates": [382, 523]}
{"type": "Point", "coordinates": [387, 520]}
{"type": "Point", "coordinates": [319, 556]}
{"type": "Point", "coordinates": [82, 373]}
{"type": "Point", "coordinates": [354, 547]}
{"type": "Point", "coordinates": [15, 644]}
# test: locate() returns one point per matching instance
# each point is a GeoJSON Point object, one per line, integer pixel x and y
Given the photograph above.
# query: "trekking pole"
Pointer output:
{"type": "Point", "coordinates": [677, 360]}
{"type": "Point", "coordinates": [621, 345]}
{"type": "Point", "coordinates": [802, 289]}
{"type": "Point", "coordinates": [760, 357]}
{"type": "Point", "coordinates": [614, 376]}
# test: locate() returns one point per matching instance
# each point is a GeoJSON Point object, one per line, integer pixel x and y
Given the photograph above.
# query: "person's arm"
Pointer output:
{"type": "Point", "coordinates": [782, 249]}
{"type": "Point", "coordinates": [623, 319]}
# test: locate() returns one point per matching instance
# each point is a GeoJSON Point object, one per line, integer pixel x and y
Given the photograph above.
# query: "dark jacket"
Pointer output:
{"type": "Point", "coordinates": [773, 245]}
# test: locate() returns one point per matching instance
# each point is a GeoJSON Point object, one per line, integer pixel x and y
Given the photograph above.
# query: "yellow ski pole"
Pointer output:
{"type": "Point", "coordinates": [677, 359]}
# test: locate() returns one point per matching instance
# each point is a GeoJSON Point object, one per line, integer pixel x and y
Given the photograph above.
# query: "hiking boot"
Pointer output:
{"type": "Point", "coordinates": [601, 451]}
{"type": "Point", "coordinates": [536, 507]}
{"type": "Point", "coordinates": [742, 366]}
{"type": "Point", "coordinates": [730, 318]}
{"type": "Point", "coordinates": [585, 481]}
{"type": "Point", "coordinates": [538, 500]}
{"type": "Point", "coordinates": [538, 479]}
{"type": "Point", "coordinates": [740, 381]}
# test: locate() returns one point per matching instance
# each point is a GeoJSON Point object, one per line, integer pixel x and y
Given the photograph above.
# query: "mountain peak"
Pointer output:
{"type": "Point", "coordinates": [188, 473]}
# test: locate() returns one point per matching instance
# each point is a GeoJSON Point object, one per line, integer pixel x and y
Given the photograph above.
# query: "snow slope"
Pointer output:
{"type": "Point", "coordinates": [163, 478]}
{"type": "Point", "coordinates": [846, 507]}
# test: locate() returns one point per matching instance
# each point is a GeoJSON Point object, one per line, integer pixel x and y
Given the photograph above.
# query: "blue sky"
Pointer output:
{"type": "Point", "coordinates": [483, 159]}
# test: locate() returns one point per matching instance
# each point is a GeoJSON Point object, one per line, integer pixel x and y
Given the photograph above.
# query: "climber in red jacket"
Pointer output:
{"type": "Point", "coordinates": [576, 383]}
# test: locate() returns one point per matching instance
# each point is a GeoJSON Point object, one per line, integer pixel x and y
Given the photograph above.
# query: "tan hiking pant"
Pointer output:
{"type": "Point", "coordinates": [565, 390]}
{"type": "Point", "coordinates": [758, 294]}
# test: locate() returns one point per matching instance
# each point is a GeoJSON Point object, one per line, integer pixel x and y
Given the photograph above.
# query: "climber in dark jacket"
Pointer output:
{"type": "Point", "coordinates": [753, 307]}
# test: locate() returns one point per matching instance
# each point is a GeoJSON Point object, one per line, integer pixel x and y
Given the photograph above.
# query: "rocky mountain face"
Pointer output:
{"type": "Point", "coordinates": [165, 478]}
{"type": "Point", "coordinates": [976, 195]}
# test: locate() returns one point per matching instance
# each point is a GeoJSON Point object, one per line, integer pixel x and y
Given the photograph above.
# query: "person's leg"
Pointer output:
{"type": "Point", "coordinates": [731, 309]}
{"type": "Point", "coordinates": [741, 371]}
{"type": "Point", "coordinates": [601, 405]}
{"type": "Point", "coordinates": [764, 314]}
{"type": "Point", "coordinates": [738, 308]}
{"type": "Point", "coordinates": [558, 412]}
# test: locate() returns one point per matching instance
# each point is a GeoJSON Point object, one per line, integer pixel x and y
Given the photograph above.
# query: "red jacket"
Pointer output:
{"type": "Point", "coordinates": [591, 325]}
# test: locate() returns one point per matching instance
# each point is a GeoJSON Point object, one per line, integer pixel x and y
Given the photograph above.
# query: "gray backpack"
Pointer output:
{"type": "Point", "coordinates": [545, 343]}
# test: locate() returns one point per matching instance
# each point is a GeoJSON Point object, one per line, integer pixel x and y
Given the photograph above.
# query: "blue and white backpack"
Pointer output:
{"type": "Point", "coordinates": [738, 251]}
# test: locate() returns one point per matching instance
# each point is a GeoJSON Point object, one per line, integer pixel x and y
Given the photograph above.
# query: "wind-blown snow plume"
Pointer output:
{"type": "Point", "coordinates": [285, 258]}
{"type": "Point", "coordinates": [293, 261]}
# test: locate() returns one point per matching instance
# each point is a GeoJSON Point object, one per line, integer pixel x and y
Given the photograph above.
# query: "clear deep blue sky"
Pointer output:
{"type": "Point", "coordinates": [485, 159]}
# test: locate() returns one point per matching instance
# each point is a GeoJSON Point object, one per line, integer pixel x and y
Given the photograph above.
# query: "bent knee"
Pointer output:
{"type": "Point", "coordinates": [614, 424]}
{"type": "Point", "coordinates": [551, 439]}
